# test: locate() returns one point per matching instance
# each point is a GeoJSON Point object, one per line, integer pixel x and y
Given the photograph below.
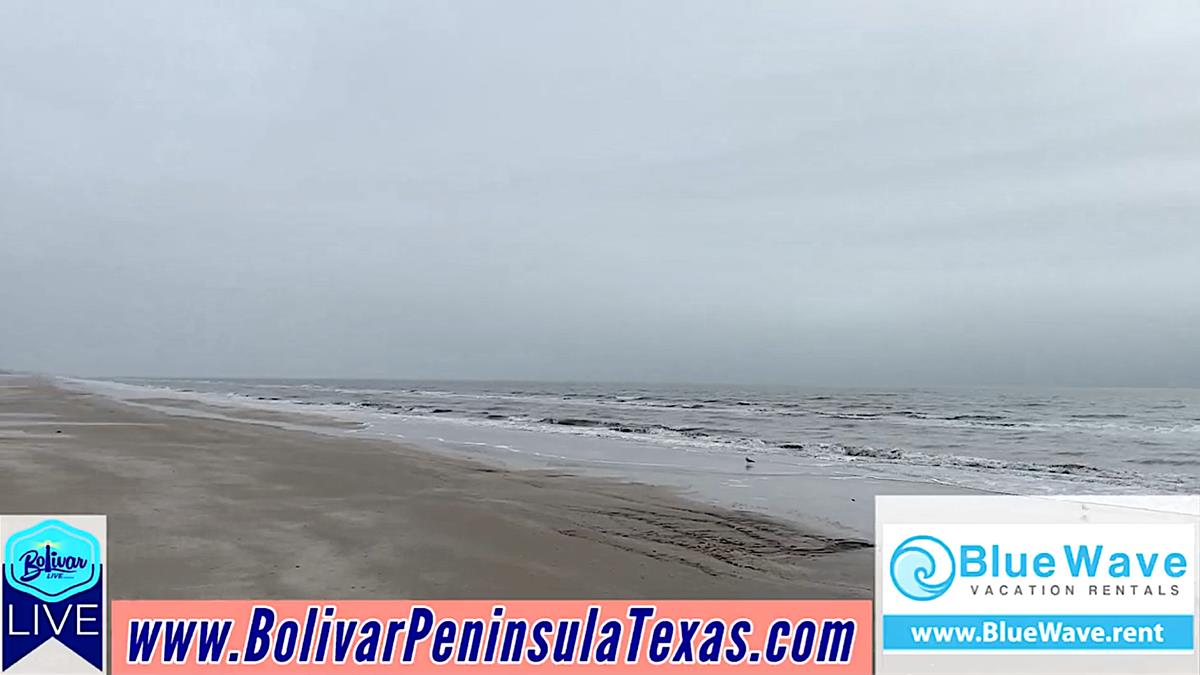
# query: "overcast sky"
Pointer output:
{"type": "Point", "coordinates": [795, 192]}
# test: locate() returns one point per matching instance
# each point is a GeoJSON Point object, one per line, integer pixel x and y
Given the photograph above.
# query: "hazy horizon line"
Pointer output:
{"type": "Point", "coordinates": [679, 383]}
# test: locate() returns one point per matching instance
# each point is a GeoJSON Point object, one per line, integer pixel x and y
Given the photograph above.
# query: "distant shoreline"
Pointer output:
{"type": "Point", "coordinates": [824, 497]}
{"type": "Point", "coordinates": [819, 456]}
{"type": "Point", "coordinates": [202, 507]}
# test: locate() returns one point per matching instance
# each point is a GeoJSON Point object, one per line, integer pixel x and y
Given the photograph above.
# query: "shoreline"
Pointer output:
{"type": "Point", "coordinates": [201, 507]}
{"type": "Point", "coordinates": [836, 500]}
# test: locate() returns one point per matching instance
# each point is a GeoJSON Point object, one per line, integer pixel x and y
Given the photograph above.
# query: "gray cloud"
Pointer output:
{"type": "Point", "coordinates": [809, 193]}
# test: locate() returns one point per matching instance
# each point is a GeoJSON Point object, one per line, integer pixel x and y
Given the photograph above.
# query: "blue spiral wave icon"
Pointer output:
{"type": "Point", "coordinates": [922, 568]}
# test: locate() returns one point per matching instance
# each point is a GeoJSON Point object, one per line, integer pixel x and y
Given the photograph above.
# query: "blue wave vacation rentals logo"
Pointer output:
{"type": "Point", "coordinates": [922, 568]}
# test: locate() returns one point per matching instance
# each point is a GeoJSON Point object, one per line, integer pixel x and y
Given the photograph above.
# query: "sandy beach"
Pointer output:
{"type": "Point", "coordinates": [200, 507]}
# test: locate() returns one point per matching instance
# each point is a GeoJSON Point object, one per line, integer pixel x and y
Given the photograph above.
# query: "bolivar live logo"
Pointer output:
{"type": "Point", "coordinates": [52, 595]}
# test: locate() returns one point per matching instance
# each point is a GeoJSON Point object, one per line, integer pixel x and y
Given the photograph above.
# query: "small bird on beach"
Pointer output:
{"type": "Point", "coordinates": [749, 461]}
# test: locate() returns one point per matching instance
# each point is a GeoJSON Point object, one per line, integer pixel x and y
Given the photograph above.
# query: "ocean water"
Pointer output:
{"type": "Point", "coordinates": [1094, 441]}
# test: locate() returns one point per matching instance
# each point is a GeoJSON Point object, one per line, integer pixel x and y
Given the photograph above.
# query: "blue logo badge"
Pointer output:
{"type": "Point", "coordinates": [52, 561]}
{"type": "Point", "coordinates": [922, 568]}
{"type": "Point", "coordinates": [52, 589]}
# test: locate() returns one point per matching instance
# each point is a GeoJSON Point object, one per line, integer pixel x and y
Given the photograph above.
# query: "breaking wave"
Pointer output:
{"type": "Point", "coordinates": [1131, 441]}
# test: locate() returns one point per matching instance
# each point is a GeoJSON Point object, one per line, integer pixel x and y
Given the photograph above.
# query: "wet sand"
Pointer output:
{"type": "Point", "coordinates": [239, 506]}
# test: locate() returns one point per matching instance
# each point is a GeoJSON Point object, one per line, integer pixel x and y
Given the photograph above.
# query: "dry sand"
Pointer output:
{"type": "Point", "coordinates": [226, 508]}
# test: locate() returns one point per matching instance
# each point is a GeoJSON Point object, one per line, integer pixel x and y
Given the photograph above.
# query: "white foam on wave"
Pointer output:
{"type": "Point", "coordinates": [395, 409]}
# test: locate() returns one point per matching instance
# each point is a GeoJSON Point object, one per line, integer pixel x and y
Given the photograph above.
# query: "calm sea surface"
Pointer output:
{"type": "Point", "coordinates": [1087, 440]}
